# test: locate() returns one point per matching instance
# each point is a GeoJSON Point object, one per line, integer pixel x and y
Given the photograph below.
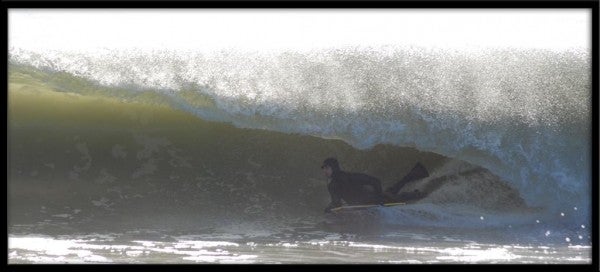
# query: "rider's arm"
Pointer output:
{"type": "Point", "coordinates": [336, 199]}
{"type": "Point", "coordinates": [376, 184]}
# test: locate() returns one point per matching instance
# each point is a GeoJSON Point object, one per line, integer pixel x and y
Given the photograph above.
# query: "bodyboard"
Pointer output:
{"type": "Point", "coordinates": [363, 207]}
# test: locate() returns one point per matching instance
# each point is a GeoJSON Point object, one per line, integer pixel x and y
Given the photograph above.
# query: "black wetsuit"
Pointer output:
{"type": "Point", "coordinates": [354, 189]}
{"type": "Point", "coordinates": [362, 189]}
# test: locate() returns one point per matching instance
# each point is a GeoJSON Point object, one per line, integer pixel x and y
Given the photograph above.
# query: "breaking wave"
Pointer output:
{"type": "Point", "coordinates": [503, 130]}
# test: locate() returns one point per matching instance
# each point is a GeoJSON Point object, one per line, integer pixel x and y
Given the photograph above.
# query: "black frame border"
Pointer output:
{"type": "Point", "coordinates": [593, 5]}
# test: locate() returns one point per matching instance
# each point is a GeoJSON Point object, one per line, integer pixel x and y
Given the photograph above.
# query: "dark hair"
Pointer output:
{"type": "Point", "coordinates": [332, 162]}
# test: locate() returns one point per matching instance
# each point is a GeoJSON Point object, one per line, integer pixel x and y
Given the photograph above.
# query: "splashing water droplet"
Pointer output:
{"type": "Point", "coordinates": [580, 237]}
{"type": "Point", "coordinates": [574, 208]}
{"type": "Point", "coordinates": [568, 239]}
{"type": "Point", "coordinates": [537, 221]}
{"type": "Point", "coordinates": [562, 214]}
{"type": "Point", "coordinates": [547, 233]}
{"type": "Point", "coordinates": [481, 218]}
{"type": "Point", "coordinates": [583, 226]}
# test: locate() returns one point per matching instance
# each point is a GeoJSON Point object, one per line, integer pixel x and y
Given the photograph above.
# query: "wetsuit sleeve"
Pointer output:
{"type": "Point", "coordinates": [336, 199]}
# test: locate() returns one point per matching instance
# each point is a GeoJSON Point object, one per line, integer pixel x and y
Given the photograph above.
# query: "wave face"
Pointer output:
{"type": "Point", "coordinates": [522, 115]}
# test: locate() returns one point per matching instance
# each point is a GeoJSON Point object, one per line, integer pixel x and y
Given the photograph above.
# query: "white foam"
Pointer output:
{"type": "Point", "coordinates": [134, 253]}
{"type": "Point", "coordinates": [61, 248]}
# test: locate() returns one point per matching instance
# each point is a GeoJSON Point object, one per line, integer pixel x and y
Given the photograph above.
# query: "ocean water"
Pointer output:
{"type": "Point", "coordinates": [166, 156]}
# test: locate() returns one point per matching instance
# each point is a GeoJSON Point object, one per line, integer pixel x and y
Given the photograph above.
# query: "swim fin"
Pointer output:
{"type": "Point", "coordinates": [417, 172]}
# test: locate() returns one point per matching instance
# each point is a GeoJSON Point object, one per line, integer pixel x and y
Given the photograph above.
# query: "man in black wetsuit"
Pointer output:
{"type": "Point", "coordinates": [353, 188]}
{"type": "Point", "coordinates": [362, 189]}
